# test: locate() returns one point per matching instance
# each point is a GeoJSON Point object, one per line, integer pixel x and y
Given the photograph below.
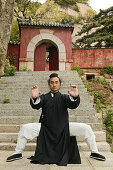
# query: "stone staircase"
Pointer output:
{"type": "Point", "coordinates": [18, 90]}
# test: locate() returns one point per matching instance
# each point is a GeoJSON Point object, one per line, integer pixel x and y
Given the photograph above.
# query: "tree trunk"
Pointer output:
{"type": "Point", "coordinates": [6, 15]}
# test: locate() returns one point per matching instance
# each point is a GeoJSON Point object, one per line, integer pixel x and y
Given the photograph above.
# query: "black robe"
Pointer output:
{"type": "Point", "coordinates": [55, 146]}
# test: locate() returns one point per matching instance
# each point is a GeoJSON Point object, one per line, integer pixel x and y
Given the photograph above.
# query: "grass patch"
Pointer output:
{"type": "Point", "coordinates": [6, 101]}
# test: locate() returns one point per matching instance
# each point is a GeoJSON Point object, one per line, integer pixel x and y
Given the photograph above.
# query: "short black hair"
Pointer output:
{"type": "Point", "coordinates": [54, 75]}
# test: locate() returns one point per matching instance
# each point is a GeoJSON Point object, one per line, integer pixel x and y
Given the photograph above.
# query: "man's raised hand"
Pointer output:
{"type": "Point", "coordinates": [35, 92]}
{"type": "Point", "coordinates": [73, 90]}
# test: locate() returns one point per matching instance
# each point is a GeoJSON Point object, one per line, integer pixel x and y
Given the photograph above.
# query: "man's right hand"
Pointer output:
{"type": "Point", "coordinates": [35, 92]}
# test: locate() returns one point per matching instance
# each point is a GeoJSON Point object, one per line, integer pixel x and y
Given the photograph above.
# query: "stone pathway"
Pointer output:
{"type": "Point", "coordinates": [87, 163]}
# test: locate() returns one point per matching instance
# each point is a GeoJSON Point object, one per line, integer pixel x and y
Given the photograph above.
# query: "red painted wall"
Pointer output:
{"type": "Point", "coordinates": [14, 49]}
{"type": "Point", "coordinates": [66, 37]}
{"type": "Point", "coordinates": [92, 58]}
{"type": "Point", "coordinates": [40, 58]}
{"type": "Point", "coordinates": [26, 35]}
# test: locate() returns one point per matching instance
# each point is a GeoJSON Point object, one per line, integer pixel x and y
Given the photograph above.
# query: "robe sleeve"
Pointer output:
{"type": "Point", "coordinates": [37, 103]}
{"type": "Point", "coordinates": [72, 102]}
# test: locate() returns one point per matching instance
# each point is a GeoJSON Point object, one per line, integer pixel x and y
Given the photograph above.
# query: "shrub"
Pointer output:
{"type": "Point", "coordinates": [80, 72]}
{"type": "Point", "coordinates": [5, 101]}
{"type": "Point", "coordinates": [11, 59]}
{"type": "Point", "coordinates": [9, 70]}
{"type": "Point", "coordinates": [99, 95]}
{"type": "Point", "coordinates": [108, 121]}
{"type": "Point", "coordinates": [25, 69]}
{"type": "Point", "coordinates": [107, 70]}
{"type": "Point", "coordinates": [100, 80]}
{"type": "Point", "coordinates": [88, 87]}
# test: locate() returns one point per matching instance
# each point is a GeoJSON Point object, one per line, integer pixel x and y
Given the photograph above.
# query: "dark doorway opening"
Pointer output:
{"type": "Point", "coordinates": [89, 77]}
{"type": "Point", "coordinates": [46, 57]}
{"type": "Point", "coordinates": [53, 58]}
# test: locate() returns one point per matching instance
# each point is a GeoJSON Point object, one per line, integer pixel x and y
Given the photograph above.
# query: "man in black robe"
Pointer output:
{"type": "Point", "coordinates": [53, 128]}
{"type": "Point", "coordinates": [55, 146]}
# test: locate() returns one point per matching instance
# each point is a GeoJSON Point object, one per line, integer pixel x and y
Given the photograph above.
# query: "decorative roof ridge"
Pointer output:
{"type": "Point", "coordinates": [29, 22]}
{"type": "Point", "coordinates": [75, 46]}
{"type": "Point", "coordinates": [14, 42]}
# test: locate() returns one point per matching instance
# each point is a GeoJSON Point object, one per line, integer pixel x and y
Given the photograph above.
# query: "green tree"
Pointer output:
{"type": "Point", "coordinates": [70, 2]}
{"type": "Point", "coordinates": [49, 12]}
{"type": "Point", "coordinates": [25, 8]}
{"type": "Point", "coordinates": [22, 9]}
{"type": "Point", "coordinates": [15, 32]}
{"type": "Point", "coordinates": [99, 32]}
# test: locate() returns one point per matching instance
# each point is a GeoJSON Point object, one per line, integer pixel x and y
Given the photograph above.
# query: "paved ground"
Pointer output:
{"type": "Point", "coordinates": [87, 163]}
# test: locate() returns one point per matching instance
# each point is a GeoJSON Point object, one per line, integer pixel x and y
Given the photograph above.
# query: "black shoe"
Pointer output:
{"type": "Point", "coordinates": [30, 157]}
{"type": "Point", "coordinates": [97, 156]}
{"type": "Point", "coordinates": [34, 162]}
{"type": "Point", "coordinates": [14, 157]}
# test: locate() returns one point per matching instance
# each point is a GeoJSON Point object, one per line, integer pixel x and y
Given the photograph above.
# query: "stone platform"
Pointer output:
{"type": "Point", "coordinates": [87, 163]}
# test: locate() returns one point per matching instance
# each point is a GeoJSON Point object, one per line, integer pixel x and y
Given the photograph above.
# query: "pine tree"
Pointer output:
{"type": "Point", "coordinates": [99, 32]}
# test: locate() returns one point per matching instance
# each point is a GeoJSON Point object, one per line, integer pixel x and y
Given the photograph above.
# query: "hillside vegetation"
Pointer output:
{"type": "Point", "coordinates": [65, 12]}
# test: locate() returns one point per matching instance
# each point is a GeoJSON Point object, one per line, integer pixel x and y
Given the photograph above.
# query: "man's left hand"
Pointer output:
{"type": "Point", "coordinates": [73, 90]}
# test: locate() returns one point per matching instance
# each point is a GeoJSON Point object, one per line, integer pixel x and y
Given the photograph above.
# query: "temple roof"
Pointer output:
{"type": "Point", "coordinates": [30, 23]}
{"type": "Point", "coordinates": [75, 46]}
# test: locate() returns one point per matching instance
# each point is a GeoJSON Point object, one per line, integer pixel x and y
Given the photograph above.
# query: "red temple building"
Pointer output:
{"type": "Point", "coordinates": [48, 46]}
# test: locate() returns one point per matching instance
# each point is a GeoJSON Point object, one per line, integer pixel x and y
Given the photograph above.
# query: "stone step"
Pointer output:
{"type": "Point", "coordinates": [82, 105]}
{"type": "Point", "coordinates": [83, 102]}
{"type": "Point", "coordinates": [102, 146]}
{"type": "Point", "coordinates": [44, 73]}
{"type": "Point", "coordinates": [28, 111]}
{"type": "Point", "coordinates": [32, 112]}
{"type": "Point", "coordinates": [84, 99]}
{"type": "Point", "coordinates": [84, 119]}
{"type": "Point", "coordinates": [14, 128]}
{"type": "Point", "coordinates": [30, 83]}
{"type": "Point", "coordinates": [29, 119]}
{"type": "Point", "coordinates": [24, 106]}
{"type": "Point", "coordinates": [9, 128]}
{"type": "Point", "coordinates": [40, 78]}
{"type": "Point", "coordinates": [23, 94]}
{"type": "Point", "coordinates": [21, 83]}
{"type": "Point", "coordinates": [12, 137]}
{"type": "Point", "coordinates": [43, 89]}
{"type": "Point", "coordinates": [18, 119]}
{"type": "Point", "coordinates": [16, 99]}
{"type": "Point", "coordinates": [87, 104]}
{"type": "Point", "coordinates": [26, 90]}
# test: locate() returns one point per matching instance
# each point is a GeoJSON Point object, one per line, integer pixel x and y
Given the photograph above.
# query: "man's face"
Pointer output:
{"type": "Point", "coordinates": [54, 84]}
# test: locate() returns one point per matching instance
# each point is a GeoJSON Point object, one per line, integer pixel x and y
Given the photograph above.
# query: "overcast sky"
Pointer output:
{"type": "Point", "coordinates": [96, 4]}
{"type": "Point", "coordinates": [100, 4]}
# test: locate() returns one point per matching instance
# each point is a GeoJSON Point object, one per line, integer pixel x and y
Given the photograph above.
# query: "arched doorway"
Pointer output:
{"type": "Point", "coordinates": [51, 39]}
{"type": "Point", "coordinates": [46, 57]}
